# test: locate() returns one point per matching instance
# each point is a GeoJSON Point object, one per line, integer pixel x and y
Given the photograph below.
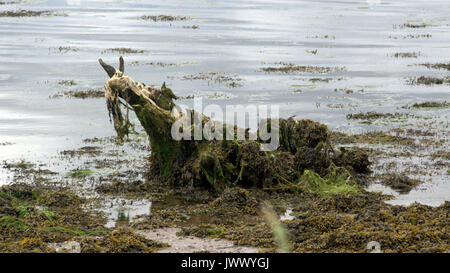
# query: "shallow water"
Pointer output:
{"type": "Point", "coordinates": [236, 38]}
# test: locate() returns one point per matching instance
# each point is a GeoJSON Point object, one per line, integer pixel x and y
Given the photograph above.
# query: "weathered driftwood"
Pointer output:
{"type": "Point", "coordinates": [304, 160]}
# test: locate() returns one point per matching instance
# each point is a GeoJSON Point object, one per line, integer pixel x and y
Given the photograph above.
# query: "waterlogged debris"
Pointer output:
{"type": "Point", "coordinates": [123, 50]}
{"type": "Point", "coordinates": [79, 174]}
{"type": "Point", "coordinates": [345, 90]}
{"type": "Point", "coordinates": [9, 2]}
{"type": "Point", "coordinates": [341, 105]}
{"type": "Point", "coordinates": [372, 137]}
{"type": "Point", "coordinates": [302, 144]}
{"type": "Point", "coordinates": [62, 50]}
{"type": "Point", "coordinates": [400, 182]}
{"type": "Point", "coordinates": [410, 25]}
{"type": "Point", "coordinates": [192, 27]}
{"type": "Point", "coordinates": [30, 13]}
{"type": "Point", "coordinates": [162, 64]}
{"type": "Point", "coordinates": [22, 164]}
{"type": "Point", "coordinates": [282, 67]}
{"type": "Point", "coordinates": [445, 66]}
{"type": "Point", "coordinates": [424, 80]}
{"type": "Point", "coordinates": [326, 36]}
{"type": "Point", "coordinates": [429, 104]}
{"type": "Point", "coordinates": [87, 150]}
{"type": "Point", "coordinates": [407, 54]}
{"type": "Point", "coordinates": [375, 115]}
{"type": "Point", "coordinates": [232, 81]}
{"type": "Point", "coordinates": [411, 36]}
{"type": "Point", "coordinates": [67, 82]}
{"type": "Point", "coordinates": [341, 219]}
{"type": "Point", "coordinates": [314, 52]}
{"type": "Point", "coordinates": [6, 143]}
{"type": "Point", "coordinates": [81, 94]}
{"type": "Point", "coordinates": [325, 80]}
{"type": "Point", "coordinates": [213, 95]}
{"type": "Point", "coordinates": [164, 18]}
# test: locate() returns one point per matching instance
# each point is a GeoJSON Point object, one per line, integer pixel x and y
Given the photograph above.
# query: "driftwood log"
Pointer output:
{"type": "Point", "coordinates": [305, 159]}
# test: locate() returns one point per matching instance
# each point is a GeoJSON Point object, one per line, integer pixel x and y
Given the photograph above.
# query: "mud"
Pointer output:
{"type": "Point", "coordinates": [62, 50]}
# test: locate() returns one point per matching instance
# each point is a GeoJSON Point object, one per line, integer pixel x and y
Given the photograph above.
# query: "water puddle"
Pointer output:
{"type": "Point", "coordinates": [122, 212]}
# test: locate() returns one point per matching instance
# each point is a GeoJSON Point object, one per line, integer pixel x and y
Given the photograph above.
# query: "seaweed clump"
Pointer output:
{"type": "Point", "coordinates": [163, 18]}
{"type": "Point", "coordinates": [293, 68]}
{"type": "Point", "coordinates": [32, 217]}
{"type": "Point", "coordinates": [120, 241]}
{"type": "Point", "coordinates": [432, 104]}
{"type": "Point", "coordinates": [424, 80]}
{"type": "Point", "coordinates": [445, 66]}
{"type": "Point", "coordinates": [29, 13]}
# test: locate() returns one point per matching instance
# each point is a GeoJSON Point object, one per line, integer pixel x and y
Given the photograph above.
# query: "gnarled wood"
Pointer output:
{"type": "Point", "coordinates": [219, 164]}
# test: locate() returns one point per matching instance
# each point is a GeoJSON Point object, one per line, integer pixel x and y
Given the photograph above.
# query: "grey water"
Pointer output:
{"type": "Point", "coordinates": [236, 38]}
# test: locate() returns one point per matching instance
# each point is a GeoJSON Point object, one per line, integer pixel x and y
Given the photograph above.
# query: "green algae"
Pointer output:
{"type": "Point", "coordinates": [432, 104]}
{"type": "Point", "coordinates": [78, 174]}
{"type": "Point", "coordinates": [78, 232]}
{"type": "Point", "coordinates": [337, 181]}
{"type": "Point", "coordinates": [10, 221]}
